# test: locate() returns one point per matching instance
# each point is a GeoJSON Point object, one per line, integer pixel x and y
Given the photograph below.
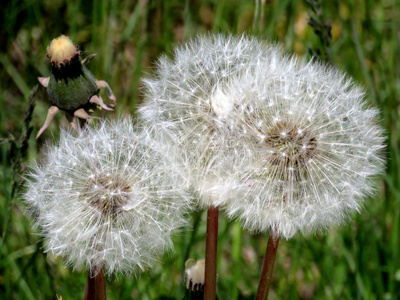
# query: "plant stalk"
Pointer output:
{"type": "Point", "coordinates": [211, 254]}
{"type": "Point", "coordinates": [96, 286]}
{"type": "Point", "coordinates": [268, 267]}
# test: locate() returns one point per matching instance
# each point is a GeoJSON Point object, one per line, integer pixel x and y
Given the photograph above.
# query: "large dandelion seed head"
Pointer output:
{"type": "Point", "coordinates": [107, 198]}
{"type": "Point", "coordinates": [187, 102]}
{"type": "Point", "coordinates": [310, 149]}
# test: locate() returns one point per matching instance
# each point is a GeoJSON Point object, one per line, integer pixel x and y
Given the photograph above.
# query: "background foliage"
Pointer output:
{"type": "Point", "coordinates": [358, 261]}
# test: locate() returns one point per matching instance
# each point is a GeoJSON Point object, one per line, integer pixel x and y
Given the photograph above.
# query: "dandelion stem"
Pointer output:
{"type": "Point", "coordinates": [268, 267]}
{"type": "Point", "coordinates": [211, 254]}
{"type": "Point", "coordinates": [96, 286]}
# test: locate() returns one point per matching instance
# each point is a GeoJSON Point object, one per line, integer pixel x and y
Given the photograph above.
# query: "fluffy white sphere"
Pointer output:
{"type": "Point", "coordinates": [187, 106]}
{"type": "Point", "coordinates": [310, 148]}
{"type": "Point", "coordinates": [105, 198]}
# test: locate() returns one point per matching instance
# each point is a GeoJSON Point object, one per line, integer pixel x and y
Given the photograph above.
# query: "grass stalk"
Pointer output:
{"type": "Point", "coordinates": [268, 267]}
{"type": "Point", "coordinates": [211, 254]}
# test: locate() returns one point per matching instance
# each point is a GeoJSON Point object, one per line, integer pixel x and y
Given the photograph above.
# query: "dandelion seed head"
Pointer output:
{"type": "Point", "coordinates": [307, 160]}
{"type": "Point", "coordinates": [188, 103]}
{"type": "Point", "coordinates": [107, 197]}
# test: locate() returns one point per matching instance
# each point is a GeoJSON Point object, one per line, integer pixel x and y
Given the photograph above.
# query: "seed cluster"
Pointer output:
{"type": "Point", "coordinates": [108, 193]}
{"type": "Point", "coordinates": [290, 147]}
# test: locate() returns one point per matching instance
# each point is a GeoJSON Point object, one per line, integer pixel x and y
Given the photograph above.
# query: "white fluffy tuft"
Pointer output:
{"type": "Point", "coordinates": [310, 150]}
{"type": "Point", "coordinates": [283, 144]}
{"type": "Point", "coordinates": [107, 198]}
{"type": "Point", "coordinates": [187, 106]}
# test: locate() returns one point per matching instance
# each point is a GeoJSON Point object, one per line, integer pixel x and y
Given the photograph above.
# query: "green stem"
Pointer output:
{"type": "Point", "coordinates": [211, 254]}
{"type": "Point", "coordinates": [268, 267]}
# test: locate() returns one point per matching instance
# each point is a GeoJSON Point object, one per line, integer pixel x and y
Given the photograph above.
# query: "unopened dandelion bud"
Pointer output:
{"type": "Point", "coordinates": [194, 274]}
{"type": "Point", "coordinates": [71, 86]}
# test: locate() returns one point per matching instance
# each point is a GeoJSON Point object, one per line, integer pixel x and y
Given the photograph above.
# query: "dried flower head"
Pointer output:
{"type": "Point", "coordinates": [105, 198]}
{"type": "Point", "coordinates": [309, 150]}
{"type": "Point", "coordinates": [61, 51]}
{"type": "Point", "coordinates": [187, 106]}
{"type": "Point", "coordinates": [71, 87]}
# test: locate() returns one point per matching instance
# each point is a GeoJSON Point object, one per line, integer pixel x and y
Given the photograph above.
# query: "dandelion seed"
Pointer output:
{"type": "Point", "coordinates": [120, 206]}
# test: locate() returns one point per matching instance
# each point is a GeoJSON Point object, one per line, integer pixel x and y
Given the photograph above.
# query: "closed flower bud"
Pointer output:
{"type": "Point", "coordinates": [194, 274]}
{"type": "Point", "coordinates": [71, 86]}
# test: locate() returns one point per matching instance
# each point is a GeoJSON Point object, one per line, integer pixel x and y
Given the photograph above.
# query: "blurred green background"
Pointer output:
{"type": "Point", "coordinates": [357, 261]}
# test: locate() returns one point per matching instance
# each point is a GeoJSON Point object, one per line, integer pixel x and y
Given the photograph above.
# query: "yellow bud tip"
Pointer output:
{"type": "Point", "coordinates": [61, 50]}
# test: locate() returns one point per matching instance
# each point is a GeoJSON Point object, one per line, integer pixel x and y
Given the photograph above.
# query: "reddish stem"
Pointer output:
{"type": "Point", "coordinates": [211, 254]}
{"type": "Point", "coordinates": [96, 286]}
{"type": "Point", "coordinates": [268, 267]}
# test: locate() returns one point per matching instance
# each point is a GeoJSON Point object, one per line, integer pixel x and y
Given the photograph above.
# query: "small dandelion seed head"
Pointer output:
{"type": "Point", "coordinates": [118, 208]}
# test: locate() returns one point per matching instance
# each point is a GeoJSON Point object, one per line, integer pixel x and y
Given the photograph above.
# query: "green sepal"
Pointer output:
{"type": "Point", "coordinates": [71, 88]}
